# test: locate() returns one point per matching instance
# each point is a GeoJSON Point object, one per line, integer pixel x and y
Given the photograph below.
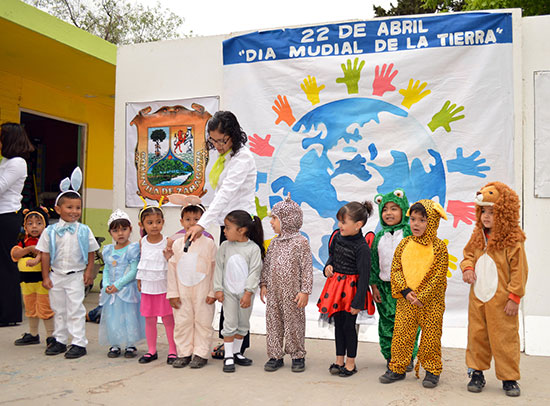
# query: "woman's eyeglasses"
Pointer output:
{"type": "Point", "coordinates": [223, 141]}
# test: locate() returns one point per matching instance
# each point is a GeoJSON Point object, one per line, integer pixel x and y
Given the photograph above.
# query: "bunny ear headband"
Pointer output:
{"type": "Point", "coordinates": [186, 201]}
{"type": "Point", "coordinates": [70, 185]}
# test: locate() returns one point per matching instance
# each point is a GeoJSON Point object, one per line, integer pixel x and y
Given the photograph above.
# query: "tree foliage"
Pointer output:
{"type": "Point", "coordinates": [158, 136]}
{"type": "Point", "coordinates": [407, 7]}
{"type": "Point", "coordinates": [117, 21]}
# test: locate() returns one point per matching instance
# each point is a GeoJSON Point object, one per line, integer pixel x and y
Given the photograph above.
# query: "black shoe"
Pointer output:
{"type": "Point", "coordinates": [344, 372]}
{"type": "Point", "coordinates": [228, 367]}
{"type": "Point", "coordinates": [334, 369]}
{"type": "Point", "coordinates": [197, 362]}
{"type": "Point", "coordinates": [182, 362]}
{"type": "Point", "coordinates": [391, 377]}
{"type": "Point", "coordinates": [241, 360]}
{"type": "Point", "coordinates": [75, 351]}
{"type": "Point", "coordinates": [55, 348]}
{"type": "Point", "coordinates": [410, 367]}
{"type": "Point", "coordinates": [298, 365]}
{"type": "Point", "coordinates": [114, 352]}
{"type": "Point", "coordinates": [130, 352]}
{"type": "Point", "coordinates": [511, 388]}
{"type": "Point", "coordinates": [273, 364]}
{"type": "Point", "coordinates": [477, 382]}
{"type": "Point", "coordinates": [28, 339]}
{"type": "Point", "coordinates": [171, 358]}
{"type": "Point", "coordinates": [49, 341]}
{"type": "Point", "coordinates": [147, 357]}
{"type": "Point", "coordinates": [430, 380]}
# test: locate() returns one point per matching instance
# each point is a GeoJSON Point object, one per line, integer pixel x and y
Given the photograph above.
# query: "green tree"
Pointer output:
{"type": "Point", "coordinates": [117, 21]}
{"type": "Point", "coordinates": [407, 7]}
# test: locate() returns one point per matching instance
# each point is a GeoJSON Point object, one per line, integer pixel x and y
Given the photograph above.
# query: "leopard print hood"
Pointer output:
{"type": "Point", "coordinates": [291, 217]}
{"type": "Point", "coordinates": [435, 214]}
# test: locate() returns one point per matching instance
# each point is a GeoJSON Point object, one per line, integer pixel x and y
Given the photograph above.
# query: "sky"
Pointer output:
{"type": "Point", "coordinates": [215, 17]}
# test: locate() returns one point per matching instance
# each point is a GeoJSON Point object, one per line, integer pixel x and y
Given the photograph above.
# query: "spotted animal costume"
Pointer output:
{"type": "Point", "coordinates": [382, 250]}
{"type": "Point", "coordinates": [500, 265]}
{"type": "Point", "coordinates": [420, 264]}
{"type": "Point", "coordinates": [287, 271]}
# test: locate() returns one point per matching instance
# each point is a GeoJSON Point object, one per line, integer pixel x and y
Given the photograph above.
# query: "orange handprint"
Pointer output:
{"type": "Point", "coordinates": [283, 110]}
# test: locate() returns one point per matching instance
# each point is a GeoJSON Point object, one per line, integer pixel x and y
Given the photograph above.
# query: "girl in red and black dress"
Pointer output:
{"type": "Point", "coordinates": [346, 289]}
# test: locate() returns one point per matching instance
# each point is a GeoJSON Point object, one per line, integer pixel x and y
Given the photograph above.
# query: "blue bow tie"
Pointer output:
{"type": "Point", "coordinates": [71, 228]}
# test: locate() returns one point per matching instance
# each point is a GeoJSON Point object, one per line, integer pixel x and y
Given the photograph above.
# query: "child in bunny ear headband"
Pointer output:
{"type": "Point", "coordinates": [68, 250]}
{"type": "Point", "coordinates": [189, 290]}
{"type": "Point", "coordinates": [121, 323]}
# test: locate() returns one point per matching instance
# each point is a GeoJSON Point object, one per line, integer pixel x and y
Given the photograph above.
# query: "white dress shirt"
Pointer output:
{"type": "Point", "coordinates": [67, 254]}
{"type": "Point", "coordinates": [13, 173]}
{"type": "Point", "coordinates": [236, 188]}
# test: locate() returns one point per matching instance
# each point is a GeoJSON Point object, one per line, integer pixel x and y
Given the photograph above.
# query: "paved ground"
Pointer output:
{"type": "Point", "coordinates": [28, 377]}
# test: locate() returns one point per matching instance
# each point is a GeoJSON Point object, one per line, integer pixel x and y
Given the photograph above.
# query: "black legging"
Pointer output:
{"type": "Point", "coordinates": [246, 340]}
{"type": "Point", "coordinates": [11, 310]}
{"type": "Point", "coordinates": [345, 334]}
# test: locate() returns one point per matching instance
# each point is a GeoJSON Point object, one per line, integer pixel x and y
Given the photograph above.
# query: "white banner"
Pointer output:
{"type": "Point", "coordinates": [341, 112]}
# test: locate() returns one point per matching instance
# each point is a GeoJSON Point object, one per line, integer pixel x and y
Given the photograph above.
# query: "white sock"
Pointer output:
{"type": "Point", "coordinates": [228, 347]}
{"type": "Point", "coordinates": [237, 344]}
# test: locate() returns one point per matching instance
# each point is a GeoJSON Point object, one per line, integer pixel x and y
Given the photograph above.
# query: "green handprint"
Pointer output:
{"type": "Point", "coordinates": [351, 75]}
{"type": "Point", "coordinates": [445, 116]}
{"type": "Point", "coordinates": [260, 210]}
{"type": "Point", "coordinates": [414, 94]}
{"type": "Point", "coordinates": [311, 90]}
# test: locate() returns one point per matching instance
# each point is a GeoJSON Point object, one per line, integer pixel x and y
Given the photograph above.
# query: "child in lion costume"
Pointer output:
{"type": "Point", "coordinates": [495, 265]}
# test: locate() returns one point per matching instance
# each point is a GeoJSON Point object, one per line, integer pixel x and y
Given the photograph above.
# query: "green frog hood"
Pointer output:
{"type": "Point", "coordinates": [398, 197]}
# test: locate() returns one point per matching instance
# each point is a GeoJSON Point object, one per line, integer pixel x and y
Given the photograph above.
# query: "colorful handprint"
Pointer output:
{"type": "Point", "coordinates": [452, 261]}
{"type": "Point", "coordinates": [468, 165]}
{"type": "Point", "coordinates": [462, 211]}
{"type": "Point", "coordinates": [351, 75]}
{"type": "Point", "coordinates": [283, 110]}
{"type": "Point", "coordinates": [414, 93]}
{"type": "Point", "coordinates": [445, 116]}
{"type": "Point", "coordinates": [311, 89]}
{"type": "Point", "coordinates": [260, 146]}
{"type": "Point", "coordinates": [382, 80]}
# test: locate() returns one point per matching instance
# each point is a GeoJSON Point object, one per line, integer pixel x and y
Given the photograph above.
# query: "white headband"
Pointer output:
{"type": "Point", "coordinates": [70, 185]}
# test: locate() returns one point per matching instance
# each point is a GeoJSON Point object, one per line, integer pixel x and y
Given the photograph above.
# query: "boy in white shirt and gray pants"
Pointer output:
{"type": "Point", "coordinates": [68, 250]}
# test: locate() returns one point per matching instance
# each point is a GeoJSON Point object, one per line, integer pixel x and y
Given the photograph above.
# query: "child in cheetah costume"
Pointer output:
{"type": "Point", "coordinates": [395, 226]}
{"type": "Point", "coordinates": [496, 267]}
{"type": "Point", "coordinates": [418, 282]}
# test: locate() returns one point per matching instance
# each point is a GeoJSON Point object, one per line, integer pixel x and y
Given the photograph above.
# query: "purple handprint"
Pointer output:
{"type": "Point", "coordinates": [382, 80]}
{"type": "Point", "coordinates": [461, 211]}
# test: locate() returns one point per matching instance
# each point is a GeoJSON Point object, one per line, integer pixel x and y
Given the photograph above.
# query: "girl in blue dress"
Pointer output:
{"type": "Point", "coordinates": [122, 325]}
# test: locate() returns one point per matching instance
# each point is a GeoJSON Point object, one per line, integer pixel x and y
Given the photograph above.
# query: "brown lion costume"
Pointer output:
{"type": "Point", "coordinates": [500, 265]}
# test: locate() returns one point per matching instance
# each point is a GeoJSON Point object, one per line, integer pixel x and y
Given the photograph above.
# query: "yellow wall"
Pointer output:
{"type": "Point", "coordinates": [17, 92]}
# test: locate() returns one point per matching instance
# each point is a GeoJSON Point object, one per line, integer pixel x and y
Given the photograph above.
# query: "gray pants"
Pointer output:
{"type": "Point", "coordinates": [237, 319]}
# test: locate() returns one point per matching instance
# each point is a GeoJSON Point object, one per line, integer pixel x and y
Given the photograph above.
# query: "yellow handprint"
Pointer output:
{"type": "Point", "coordinates": [452, 261]}
{"type": "Point", "coordinates": [311, 90]}
{"type": "Point", "coordinates": [414, 93]}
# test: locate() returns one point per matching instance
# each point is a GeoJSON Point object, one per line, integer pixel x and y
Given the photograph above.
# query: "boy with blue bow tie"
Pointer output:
{"type": "Point", "coordinates": [67, 260]}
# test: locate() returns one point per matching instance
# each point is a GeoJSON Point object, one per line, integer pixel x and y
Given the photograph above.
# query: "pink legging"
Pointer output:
{"type": "Point", "coordinates": [151, 333]}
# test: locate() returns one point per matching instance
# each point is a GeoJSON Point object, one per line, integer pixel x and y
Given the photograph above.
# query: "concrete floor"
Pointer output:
{"type": "Point", "coordinates": [28, 377]}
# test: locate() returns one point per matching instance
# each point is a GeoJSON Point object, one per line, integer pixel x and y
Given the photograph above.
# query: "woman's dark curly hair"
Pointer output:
{"type": "Point", "coordinates": [226, 123]}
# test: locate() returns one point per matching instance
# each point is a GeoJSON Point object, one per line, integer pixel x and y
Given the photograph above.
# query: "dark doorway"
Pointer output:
{"type": "Point", "coordinates": [57, 153]}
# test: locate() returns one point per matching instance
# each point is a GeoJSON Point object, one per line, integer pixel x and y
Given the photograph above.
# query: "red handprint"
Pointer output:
{"type": "Point", "coordinates": [260, 146]}
{"type": "Point", "coordinates": [283, 110]}
{"type": "Point", "coordinates": [382, 80]}
{"type": "Point", "coordinates": [460, 210]}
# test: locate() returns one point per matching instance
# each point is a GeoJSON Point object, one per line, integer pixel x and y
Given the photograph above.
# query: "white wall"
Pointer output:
{"type": "Point", "coordinates": [192, 67]}
{"type": "Point", "coordinates": [165, 70]}
{"type": "Point", "coordinates": [536, 211]}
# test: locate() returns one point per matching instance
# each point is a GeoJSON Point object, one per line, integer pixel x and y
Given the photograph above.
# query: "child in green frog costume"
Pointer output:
{"type": "Point", "coordinates": [395, 226]}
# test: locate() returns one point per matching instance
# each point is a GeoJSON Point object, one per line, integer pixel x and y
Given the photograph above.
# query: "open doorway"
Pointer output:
{"type": "Point", "coordinates": [58, 151]}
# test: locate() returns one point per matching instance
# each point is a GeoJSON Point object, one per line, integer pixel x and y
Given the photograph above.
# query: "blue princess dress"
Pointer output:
{"type": "Point", "coordinates": [121, 323]}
